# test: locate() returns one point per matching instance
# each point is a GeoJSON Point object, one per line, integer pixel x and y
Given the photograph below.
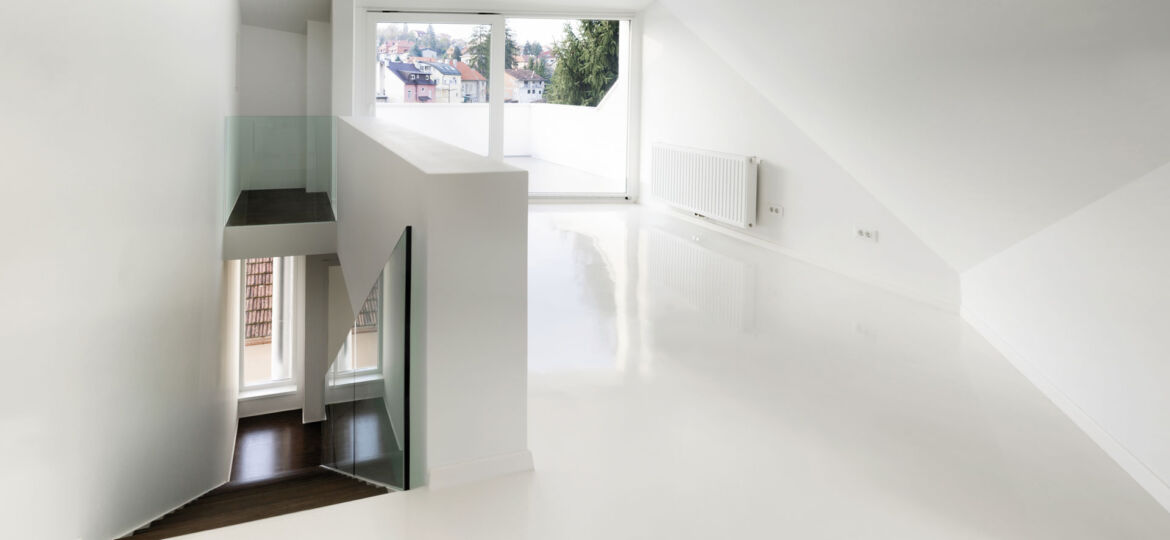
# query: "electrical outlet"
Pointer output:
{"type": "Point", "coordinates": [775, 209]}
{"type": "Point", "coordinates": [869, 235]}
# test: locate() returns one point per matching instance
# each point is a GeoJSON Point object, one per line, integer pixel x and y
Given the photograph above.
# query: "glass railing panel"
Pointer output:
{"type": "Point", "coordinates": [367, 391]}
{"type": "Point", "coordinates": [381, 413]}
{"type": "Point", "coordinates": [339, 409]}
{"type": "Point", "coordinates": [289, 156]}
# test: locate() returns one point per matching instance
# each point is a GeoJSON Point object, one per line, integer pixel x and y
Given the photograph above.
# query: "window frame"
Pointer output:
{"type": "Point", "coordinates": [283, 284]}
{"type": "Point", "coordinates": [362, 101]}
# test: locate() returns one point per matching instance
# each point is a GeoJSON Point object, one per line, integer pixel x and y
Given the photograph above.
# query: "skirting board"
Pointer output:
{"type": "Point", "coordinates": [480, 469]}
{"type": "Point", "coordinates": [1128, 462]}
{"type": "Point", "coordinates": [172, 510]}
{"type": "Point", "coordinates": [950, 305]}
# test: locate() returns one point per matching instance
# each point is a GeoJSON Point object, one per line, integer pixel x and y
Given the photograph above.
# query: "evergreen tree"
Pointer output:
{"type": "Point", "coordinates": [415, 51]}
{"type": "Point", "coordinates": [480, 49]}
{"type": "Point", "coordinates": [430, 40]}
{"type": "Point", "coordinates": [457, 54]}
{"type": "Point", "coordinates": [532, 48]}
{"type": "Point", "coordinates": [510, 48]}
{"type": "Point", "coordinates": [587, 64]}
{"type": "Point", "coordinates": [538, 66]}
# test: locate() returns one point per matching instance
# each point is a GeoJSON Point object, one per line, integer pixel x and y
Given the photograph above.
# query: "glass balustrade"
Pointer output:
{"type": "Point", "coordinates": [367, 392]}
{"type": "Point", "coordinates": [280, 169]}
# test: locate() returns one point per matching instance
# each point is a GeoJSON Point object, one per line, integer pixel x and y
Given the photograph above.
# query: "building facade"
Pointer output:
{"type": "Point", "coordinates": [448, 81]}
{"type": "Point", "coordinates": [523, 86]}
{"type": "Point", "coordinates": [475, 85]}
{"type": "Point", "coordinates": [404, 83]}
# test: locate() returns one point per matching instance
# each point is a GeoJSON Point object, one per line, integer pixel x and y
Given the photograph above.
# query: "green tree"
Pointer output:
{"type": "Point", "coordinates": [403, 32]}
{"type": "Point", "coordinates": [430, 40]}
{"type": "Point", "coordinates": [457, 54]}
{"type": "Point", "coordinates": [480, 48]}
{"type": "Point", "coordinates": [538, 66]}
{"type": "Point", "coordinates": [587, 64]}
{"type": "Point", "coordinates": [415, 51]}
{"type": "Point", "coordinates": [532, 48]}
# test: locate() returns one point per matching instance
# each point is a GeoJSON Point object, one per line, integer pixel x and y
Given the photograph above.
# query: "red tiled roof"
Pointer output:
{"type": "Point", "coordinates": [398, 46]}
{"type": "Point", "coordinates": [368, 316]}
{"type": "Point", "coordinates": [467, 73]}
{"type": "Point", "coordinates": [257, 299]}
{"type": "Point", "coordinates": [524, 75]}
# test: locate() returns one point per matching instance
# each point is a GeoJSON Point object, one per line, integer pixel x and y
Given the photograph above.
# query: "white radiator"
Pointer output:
{"type": "Point", "coordinates": [712, 184]}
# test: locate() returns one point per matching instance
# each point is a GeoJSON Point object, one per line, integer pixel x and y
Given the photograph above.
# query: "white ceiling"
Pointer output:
{"type": "Point", "coordinates": [290, 15]}
{"type": "Point", "coordinates": [495, 6]}
{"type": "Point", "coordinates": [977, 123]}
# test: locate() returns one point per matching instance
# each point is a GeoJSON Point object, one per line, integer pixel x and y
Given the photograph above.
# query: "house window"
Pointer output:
{"type": "Point", "coordinates": [266, 294]}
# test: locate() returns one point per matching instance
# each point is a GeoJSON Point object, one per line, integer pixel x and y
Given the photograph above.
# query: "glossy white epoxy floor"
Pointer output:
{"type": "Point", "coordinates": [686, 385]}
{"type": "Point", "coordinates": [547, 178]}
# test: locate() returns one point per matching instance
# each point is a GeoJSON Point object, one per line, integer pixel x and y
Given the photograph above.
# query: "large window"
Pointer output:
{"type": "Point", "coordinates": [566, 105]}
{"type": "Point", "coordinates": [267, 301]}
{"type": "Point", "coordinates": [433, 75]}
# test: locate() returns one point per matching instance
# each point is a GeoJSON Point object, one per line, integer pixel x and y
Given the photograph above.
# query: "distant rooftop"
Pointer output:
{"type": "Point", "coordinates": [444, 68]}
{"type": "Point", "coordinates": [409, 74]}
{"type": "Point", "coordinates": [524, 75]}
{"type": "Point", "coordinates": [469, 73]}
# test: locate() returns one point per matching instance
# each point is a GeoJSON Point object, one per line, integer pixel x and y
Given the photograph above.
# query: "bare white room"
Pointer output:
{"type": "Point", "coordinates": [569, 269]}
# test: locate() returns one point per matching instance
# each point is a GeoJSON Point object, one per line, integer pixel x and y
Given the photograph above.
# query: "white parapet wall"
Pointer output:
{"type": "Point", "coordinates": [590, 139]}
{"type": "Point", "coordinates": [469, 289]}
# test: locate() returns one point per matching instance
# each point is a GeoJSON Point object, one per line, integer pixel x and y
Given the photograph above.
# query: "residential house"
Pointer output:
{"type": "Point", "coordinates": [405, 83]}
{"type": "Point", "coordinates": [396, 50]}
{"type": "Point", "coordinates": [550, 59]}
{"type": "Point", "coordinates": [475, 85]}
{"type": "Point", "coordinates": [448, 81]}
{"type": "Point", "coordinates": [523, 86]}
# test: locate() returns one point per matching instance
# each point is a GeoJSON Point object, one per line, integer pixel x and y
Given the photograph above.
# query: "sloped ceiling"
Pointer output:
{"type": "Point", "coordinates": [976, 122]}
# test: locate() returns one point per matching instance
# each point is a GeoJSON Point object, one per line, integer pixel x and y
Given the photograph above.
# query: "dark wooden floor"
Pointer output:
{"type": "Point", "coordinates": [359, 440]}
{"type": "Point", "coordinates": [272, 445]}
{"type": "Point", "coordinates": [277, 470]}
{"type": "Point", "coordinates": [232, 504]}
{"type": "Point", "coordinates": [275, 206]}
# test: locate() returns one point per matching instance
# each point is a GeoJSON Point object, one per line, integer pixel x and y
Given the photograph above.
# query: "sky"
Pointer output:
{"type": "Point", "coordinates": [545, 31]}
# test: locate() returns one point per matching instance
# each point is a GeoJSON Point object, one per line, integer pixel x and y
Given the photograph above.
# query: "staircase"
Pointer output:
{"type": "Point", "coordinates": [235, 503]}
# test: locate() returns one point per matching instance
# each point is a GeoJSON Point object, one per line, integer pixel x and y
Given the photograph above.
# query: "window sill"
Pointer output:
{"type": "Point", "coordinates": [358, 377]}
{"type": "Point", "coordinates": [273, 391]}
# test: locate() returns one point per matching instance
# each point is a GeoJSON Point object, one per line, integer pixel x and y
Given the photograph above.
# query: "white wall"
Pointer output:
{"type": "Point", "coordinates": [272, 71]}
{"type": "Point", "coordinates": [976, 123]}
{"type": "Point", "coordinates": [112, 255]}
{"type": "Point", "coordinates": [318, 102]}
{"type": "Point", "coordinates": [342, 29]}
{"type": "Point", "coordinates": [464, 125]}
{"type": "Point", "coordinates": [715, 109]}
{"type": "Point", "coordinates": [591, 139]}
{"type": "Point", "coordinates": [469, 289]}
{"type": "Point", "coordinates": [1081, 308]}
